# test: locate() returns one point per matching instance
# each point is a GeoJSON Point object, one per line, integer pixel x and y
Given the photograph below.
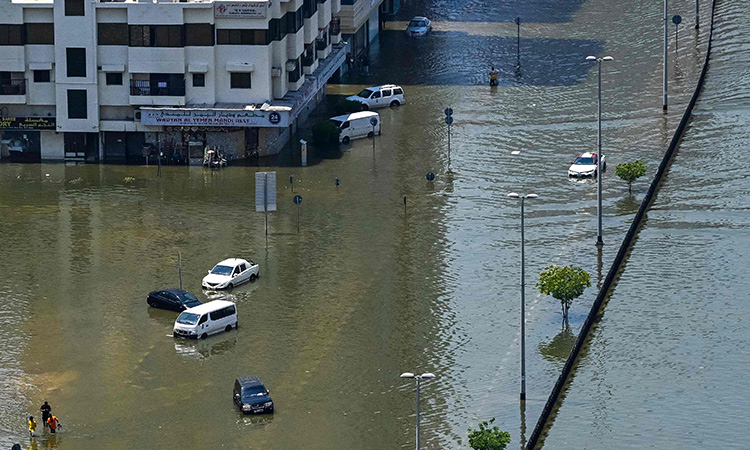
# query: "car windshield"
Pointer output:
{"type": "Point", "coordinates": [253, 391]}
{"type": "Point", "coordinates": [585, 161]}
{"type": "Point", "coordinates": [187, 297]}
{"type": "Point", "coordinates": [188, 318]}
{"type": "Point", "coordinates": [365, 93]}
{"type": "Point", "coordinates": [222, 270]}
{"type": "Point", "coordinates": [417, 23]}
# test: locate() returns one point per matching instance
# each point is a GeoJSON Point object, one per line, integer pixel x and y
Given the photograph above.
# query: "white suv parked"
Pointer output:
{"type": "Point", "coordinates": [379, 96]}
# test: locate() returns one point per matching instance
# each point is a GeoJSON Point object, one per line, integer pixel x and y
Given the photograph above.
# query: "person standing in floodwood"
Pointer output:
{"type": "Point", "coordinates": [46, 410]}
{"type": "Point", "coordinates": [32, 426]}
{"type": "Point", "coordinates": [53, 423]}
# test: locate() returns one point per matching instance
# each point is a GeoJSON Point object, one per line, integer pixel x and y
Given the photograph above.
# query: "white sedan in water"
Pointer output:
{"type": "Point", "coordinates": [586, 165]}
{"type": "Point", "coordinates": [419, 26]}
{"type": "Point", "coordinates": [230, 273]}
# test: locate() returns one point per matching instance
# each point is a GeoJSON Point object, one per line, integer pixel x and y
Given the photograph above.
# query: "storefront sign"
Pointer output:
{"type": "Point", "coordinates": [213, 118]}
{"type": "Point", "coordinates": [27, 123]}
{"type": "Point", "coordinates": [240, 10]}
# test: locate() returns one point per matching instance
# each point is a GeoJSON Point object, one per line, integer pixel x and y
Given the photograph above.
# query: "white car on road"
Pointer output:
{"type": "Point", "coordinates": [230, 273]}
{"type": "Point", "coordinates": [586, 165]}
{"type": "Point", "coordinates": [379, 96]}
{"type": "Point", "coordinates": [419, 26]}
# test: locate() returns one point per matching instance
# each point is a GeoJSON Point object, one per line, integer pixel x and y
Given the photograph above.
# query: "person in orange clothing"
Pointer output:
{"type": "Point", "coordinates": [53, 423]}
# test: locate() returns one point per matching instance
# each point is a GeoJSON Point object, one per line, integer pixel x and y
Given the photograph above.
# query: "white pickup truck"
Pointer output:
{"type": "Point", "coordinates": [230, 273]}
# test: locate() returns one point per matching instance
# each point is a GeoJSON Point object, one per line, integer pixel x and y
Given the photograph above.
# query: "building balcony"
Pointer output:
{"type": "Point", "coordinates": [13, 91]}
{"type": "Point", "coordinates": [174, 88]}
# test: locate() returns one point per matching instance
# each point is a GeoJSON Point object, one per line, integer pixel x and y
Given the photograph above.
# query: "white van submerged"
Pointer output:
{"type": "Point", "coordinates": [357, 125]}
{"type": "Point", "coordinates": [203, 320]}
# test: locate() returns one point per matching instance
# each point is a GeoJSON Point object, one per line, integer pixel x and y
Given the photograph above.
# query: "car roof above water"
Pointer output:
{"type": "Point", "coordinates": [356, 115]}
{"type": "Point", "coordinates": [250, 380]}
{"type": "Point", "coordinates": [208, 307]}
{"type": "Point", "coordinates": [232, 262]}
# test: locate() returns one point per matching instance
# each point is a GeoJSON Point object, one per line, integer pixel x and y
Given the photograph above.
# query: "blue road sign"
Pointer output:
{"type": "Point", "coordinates": [373, 121]}
{"type": "Point", "coordinates": [448, 111]}
{"type": "Point", "coordinates": [297, 199]}
{"type": "Point", "coordinates": [518, 21]}
{"type": "Point", "coordinates": [676, 19]}
{"type": "Point", "coordinates": [430, 176]}
{"type": "Point", "coordinates": [449, 120]}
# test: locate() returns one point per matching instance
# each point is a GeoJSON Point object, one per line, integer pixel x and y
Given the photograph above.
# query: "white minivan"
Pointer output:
{"type": "Point", "coordinates": [357, 125]}
{"type": "Point", "coordinates": [208, 318]}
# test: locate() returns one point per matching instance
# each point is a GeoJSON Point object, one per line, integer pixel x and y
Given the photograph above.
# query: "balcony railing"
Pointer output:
{"type": "Point", "coordinates": [174, 88]}
{"type": "Point", "coordinates": [13, 87]}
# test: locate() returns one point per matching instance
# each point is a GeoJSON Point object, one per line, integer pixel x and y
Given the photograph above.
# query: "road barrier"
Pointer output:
{"type": "Point", "coordinates": [536, 440]}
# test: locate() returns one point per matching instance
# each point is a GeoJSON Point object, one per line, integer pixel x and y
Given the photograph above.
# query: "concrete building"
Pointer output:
{"type": "Point", "coordinates": [109, 80]}
{"type": "Point", "coordinates": [360, 21]}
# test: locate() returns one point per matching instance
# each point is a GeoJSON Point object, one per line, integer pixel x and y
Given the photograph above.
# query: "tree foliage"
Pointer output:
{"type": "Point", "coordinates": [565, 283]}
{"type": "Point", "coordinates": [326, 133]}
{"type": "Point", "coordinates": [488, 438]}
{"type": "Point", "coordinates": [630, 172]}
{"type": "Point", "coordinates": [346, 107]}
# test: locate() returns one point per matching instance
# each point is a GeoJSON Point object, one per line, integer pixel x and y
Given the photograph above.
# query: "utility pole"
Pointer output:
{"type": "Point", "coordinates": [666, 37]}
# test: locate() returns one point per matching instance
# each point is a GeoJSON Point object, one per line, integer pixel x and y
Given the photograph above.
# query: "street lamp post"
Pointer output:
{"type": "Point", "coordinates": [599, 155]}
{"type": "Point", "coordinates": [523, 295]}
{"type": "Point", "coordinates": [666, 37]}
{"type": "Point", "coordinates": [419, 378]}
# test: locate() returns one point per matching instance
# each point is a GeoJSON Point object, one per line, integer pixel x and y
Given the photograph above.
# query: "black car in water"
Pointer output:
{"type": "Point", "coordinates": [251, 396]}
{"type": "Point", "coordinates": [174, 299]}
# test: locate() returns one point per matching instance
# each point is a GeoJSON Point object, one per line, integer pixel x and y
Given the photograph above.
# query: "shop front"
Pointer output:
{"type": "Point", "coordinates": [20, 137]}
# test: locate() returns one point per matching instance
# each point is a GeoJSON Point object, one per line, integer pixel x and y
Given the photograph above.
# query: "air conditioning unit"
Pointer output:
{"type": "Point", "coordinates": [275, 72]}
{"type": "Point", "coordinates": [137, 114]}
{"type": "Point", "coordinates": [291, 65]}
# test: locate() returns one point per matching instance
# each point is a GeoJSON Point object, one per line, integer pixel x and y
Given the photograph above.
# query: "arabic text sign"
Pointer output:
{"type": "Point", "coordinates": [27, 123]}
{"type": "Point", "coordinates": [214, 118]}
{"type": "Point", "coordinates": [240, 10]}
{"type": "Point", "coordinates": [265, 191]}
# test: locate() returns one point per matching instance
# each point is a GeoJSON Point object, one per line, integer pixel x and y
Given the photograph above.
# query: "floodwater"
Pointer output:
{"type": "Point", "coordinates": [365, 291]}
{"type": "Point", "coordinates": [668, 361]}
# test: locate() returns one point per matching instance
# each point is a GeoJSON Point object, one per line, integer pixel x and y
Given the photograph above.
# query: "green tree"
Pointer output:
{"type": "Point", "coordinates": [565, 283]}
{"type": "Point", "coordinates": [326, 133]}
{"type": "Point", "coordinates": [486, 438]}
{"type": "Point", "coordinates": [346, 107]}
{"type": "Point", "coordinates": [630, 172]}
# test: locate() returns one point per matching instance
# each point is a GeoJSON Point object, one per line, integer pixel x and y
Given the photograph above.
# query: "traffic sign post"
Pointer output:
{"type": "Point", "coordinates": [676, 20]}
{"type": "Point", "coordinates": [518, 42]}
{"type": "Point", "coordinates": [265, 193]}
{"type": "Point", "coordinates": [430, 176]}
{"type": "Point", "coordinates": [449, 121]}
{"type": "Point", "coordinates": [291, 181]}
{"type": "Point", "coordinates": [374, 123]}
{"type": "Point", "coordinates": [297, 201]}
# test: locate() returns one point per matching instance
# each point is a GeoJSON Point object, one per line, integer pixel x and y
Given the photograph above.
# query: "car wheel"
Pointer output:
{"type": "Point", "coordinates": [370, 134]}
{"type": "Point", "coordinates": [395, 103]}
{"type": "Point", "coordinates": [253, 277]}
{"type": "Point", "coordinates": [228, 328]}
{"type": "Point", "coordinates": [174, 334]}
{"type": "Point", "coordinates": [204, 336]}
{"type": "Point", "coordinates": [151, 304]}
{"type": "Point", "coordinates": [345, 140]}
{"type": "Point", "coordinates": [230, 286]}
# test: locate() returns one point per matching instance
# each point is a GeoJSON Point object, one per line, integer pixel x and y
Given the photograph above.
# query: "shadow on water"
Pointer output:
{"type": "Point", "coordinates": [457, 59]}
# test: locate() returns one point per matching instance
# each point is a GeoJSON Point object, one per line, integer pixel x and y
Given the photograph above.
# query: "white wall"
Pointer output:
{"type": "Point", "coordinates": [53, 145]}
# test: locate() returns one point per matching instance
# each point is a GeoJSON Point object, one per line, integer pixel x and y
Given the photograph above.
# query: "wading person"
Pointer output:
{"type": "Point", "coordinates": [46, 410]}
{"type": "Point", "coordinates": [53, 423]}
{"type": "Point", "coordinates": [32, 426]}
{"type": "Point", "coordinates": [493, 76]}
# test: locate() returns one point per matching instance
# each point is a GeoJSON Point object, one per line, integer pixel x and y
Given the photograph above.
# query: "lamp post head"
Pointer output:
{"type": "Point", "coordinates": [532, 196]}
{"type": "Point", "coordinates": [591, 58]}
{"type": "Point", "coordinates": [407, 375]}
{"type": "Point", "coordinates": [513, 195]}
{"type": "Point", "coordinates": [608, 58]}
{"type": "Point", "coordinates": [427, 376]}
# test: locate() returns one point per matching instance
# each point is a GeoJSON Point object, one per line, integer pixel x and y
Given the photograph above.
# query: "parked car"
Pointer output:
{"type": "Point", "coordinates": [419, 26]}
{"type": "Point", "coordinates": [173, 299]}
{"type": "Point", "coordinates": [206, 319]}
{"type": "Point", "coordinates": [230, 273]}
{"type": "Point", "coordinates": [251, 396]}
{"type": "Point", "coordinates": [379, 96]}
{"type": "Point", "coordinates": [585, 165]}
{"type": "Point", "coordinates": [357, 125]}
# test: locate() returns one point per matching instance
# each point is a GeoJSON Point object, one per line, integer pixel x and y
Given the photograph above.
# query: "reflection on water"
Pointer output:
{"type": "Point", "coordinates": [558, 349]}
{"type": "Point", "coordinates": [215, 345]}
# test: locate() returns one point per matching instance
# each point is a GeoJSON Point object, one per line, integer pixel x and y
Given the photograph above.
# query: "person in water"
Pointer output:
{"type": "Point", "coordinates": [46, 410]}
{"type": "Point", "coordinates": [53, 423]}
{"type": "Point", "coordinates": [32, 426]}
{"type": "Point", "coordinates": [493, 76]}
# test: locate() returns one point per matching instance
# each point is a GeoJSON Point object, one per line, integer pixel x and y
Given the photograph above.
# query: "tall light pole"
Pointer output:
{"type": "Point", "coordinates": [599, 155]}
{"type": "Point", "coordinates": [697, 14]}
{"type": "Point", "coordinates": [419, 378]}
{"type": "Point", "coordinates": [523, 295]}
{"type": "Point", "coordinates": [666, 36]}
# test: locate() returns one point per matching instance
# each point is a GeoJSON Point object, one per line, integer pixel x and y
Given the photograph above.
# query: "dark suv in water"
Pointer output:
{"type": "Point", "coordinates": [251, 396]}
{"type": "Point", "coordinates": [174, 299]}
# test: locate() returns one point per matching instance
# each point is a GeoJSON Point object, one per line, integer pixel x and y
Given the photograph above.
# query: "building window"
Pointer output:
{"type": "Point", "coordinates": [41, 76]}
{"type": "Point", "coordinates": [11, 35]}
{"type": "Point", "coordinates": [240, 80]}
{"type": "Point", "coordinates": [199, 80]}
{"type": "Point", "coordinates": [309, 7]}
{"type": "Point", "coordinates": [77, 104]}
{"type": "Point", "coordinates": [40, 33]}
{"type": "Point", "coordinates": [295, 74]}
{"type": "Point", "coordinates": [114, 79]}
{"type": "Point", "coordinates": [242, 37]}
{"type": "Point", "coordinates": [112, 33]}
{"type": "Point", "coordinates": [76, 62]}
{"type": "Point", "coordinates": [74, 8]}
{"type": "Point", "coordinates": [294, 20]}
{"type": "Point", "coordinates": [308, 57]}
{"type": "Point", "coordinates": [199, 34]}
{"type": "Point", "coordinates": [156, 36]}
{"type": "Point", "coordinates": [274, 30]}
